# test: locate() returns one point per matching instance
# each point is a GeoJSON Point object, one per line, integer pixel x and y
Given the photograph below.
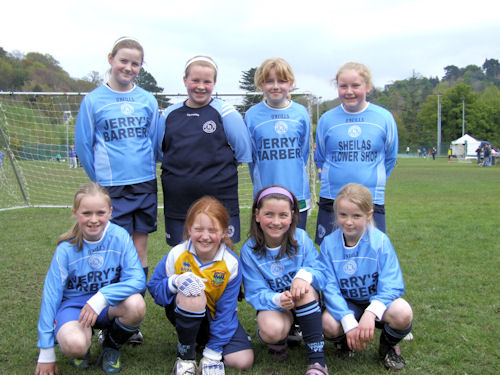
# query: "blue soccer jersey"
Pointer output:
{"type": "Point", "coordinates": [367, 273]}
{"type": "Point", "coordinates": [356, 147]}
{"type": "Point", "coordinates": [280, 146]}
{"type": "Point", "coordinates": [265, 278]}
{"type": "Point", "coordinates": [107, 271]}
{"type": "Point", "coordinates": [116, 136]}
{"type": "Point", "coordinates": [201, 151]}
{"type": "Point", "coordinates": [222, 286]}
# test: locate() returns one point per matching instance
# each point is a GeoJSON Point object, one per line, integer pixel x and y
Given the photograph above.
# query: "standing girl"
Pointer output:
{"type": "Point", "coordinates": [280, 129]}
{"type": "Point", "coordinates": [364, 281]}
{"type": "Point", "coordinates": [204, 139]}
{"type": "Point", "coordinates": [116, 138]}
{"type": "Point", "coordinates": [198, 283]}
{"type": "Point", "coordinates": [355, 142]}
{"type": "Point", "coordinates": [281, 273]}
{"type": "Point", "coordinates": [94, 280]}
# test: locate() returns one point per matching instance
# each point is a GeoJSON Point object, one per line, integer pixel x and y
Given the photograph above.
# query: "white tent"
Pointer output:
{"type": "Point", "coordinates": [465, 147]}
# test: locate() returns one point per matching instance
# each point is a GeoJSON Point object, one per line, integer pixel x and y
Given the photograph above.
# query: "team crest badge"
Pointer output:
{"type": "Point", "coordinates": [218, 279]}
{"type": "Point", "coordinates": [354, 131]}
{"type": "Point", "coordinates": [96, 261]}
{"type": "Point", "coordinates": [230, 231]}
{"type": "Point", "coordinates": [209, 127]}
{"type": "Point", "coordinates": [350, 267]}
{"type": "Point", "coordinates": [280, 127]}
{"type": "Point", "coordinates": [127, 109]}
{"type": "Point", "coordinates": [277, 269]}
{"type": "Point", "coordinates": [321, 231]}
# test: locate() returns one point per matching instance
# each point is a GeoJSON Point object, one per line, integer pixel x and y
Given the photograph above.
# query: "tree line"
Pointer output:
{"type": "Point", "coordinates": [413, 101]}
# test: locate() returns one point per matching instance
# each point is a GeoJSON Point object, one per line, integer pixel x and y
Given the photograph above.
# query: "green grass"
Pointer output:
{"type": "Point", "coordinates": [443, 221]}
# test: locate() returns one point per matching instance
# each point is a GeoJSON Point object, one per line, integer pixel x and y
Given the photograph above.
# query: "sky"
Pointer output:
{"type": "Point", "coordinates": [396, 39]}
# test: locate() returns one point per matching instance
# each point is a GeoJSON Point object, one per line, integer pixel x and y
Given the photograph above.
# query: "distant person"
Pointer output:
{"type": "Point", "coordinates": [203, 140]}
{"type": "Point", "coordinates": [487, 156]}
{"type": "Point", "coordinates": [478, 153]}
{"type": "Point", "coordinates": [76, 300]}
{"type": "Point", "coordinates": [198, 282]}
{"type": "Point", "coordinates": [424, 151]}
{"type": "Point", "coordinates": [358, 251]}
{"type": "Point", "coordinates": [433, 152]}
{"type": "Point", "coordinates": [407, 150]}
{"type": "Point", "coordinates": [449, 154]}
{"type": "Point", "coordinates": [355, 142]}
{"type": "Point", "coordinates": [58, 157]}
{"type": "Point", "coordinates": [116, 140]}
{"type": "Point", "coordinates": [494, 154]}
{"type": "Point", "coordinates": [279, 129]}
{"type": "Point", "coordinates": [281, 277]}
{"type": "Point", "coordinates": [419, 151]}
{"type": "Point", "coordinates": [72, 157]}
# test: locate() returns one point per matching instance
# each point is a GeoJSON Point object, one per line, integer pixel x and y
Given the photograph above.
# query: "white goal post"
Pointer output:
{"type": "Point", "coordinates": [37, 130]}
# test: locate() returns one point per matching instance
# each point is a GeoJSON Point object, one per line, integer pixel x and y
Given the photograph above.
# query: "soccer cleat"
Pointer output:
{"type": "Point", "coordinates": [101, 334]}
{"type": "Point", "coordinates": [211, 367]}
{"type": "Point", "coordinates": [278, 352]}
{"type": "Point", "coordinates": [391, 356]}
{"type": "Point", "coordinates": [136, 339]}
{"type": "Point", "coordinates": [83, 362]}
{"type": "Point", "coordinates": [294, 337]}
{"type": "Point", "coordinates": [343, 350]}
{"type": "Point", "coordinates": [184, 367]}
{"type": "Point", "coordinates": [110, 360]}
{"type": "Point", "coordinates": [316, 369]}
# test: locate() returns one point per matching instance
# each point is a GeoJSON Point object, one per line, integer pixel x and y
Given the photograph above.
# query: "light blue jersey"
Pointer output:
{"type": "Point", "coordinates": [280, 145]}
{"type": "Point", "coordinates": [265, 278]}
{"type": "Point", "coordinates": [356, 147]}
{"type": "Point", "coordinates": [116, 136]}
{"type": "Point", "coordinates": [107, 270]}
{"type": "Point", "coordinates": [367, 273]}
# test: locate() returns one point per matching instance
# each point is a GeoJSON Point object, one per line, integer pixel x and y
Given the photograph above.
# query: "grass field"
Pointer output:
{"type": "Point", "coordinates": [443, 221]}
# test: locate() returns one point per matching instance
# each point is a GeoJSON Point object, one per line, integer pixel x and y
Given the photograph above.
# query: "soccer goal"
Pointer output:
{"type": "Point", "coordinates": [37, 130]}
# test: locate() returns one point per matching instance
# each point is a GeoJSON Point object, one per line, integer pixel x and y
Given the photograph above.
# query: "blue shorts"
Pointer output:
{"type": "Point", "coordinates": [70, 310]}
{"type": "Point", "coordinates": [174, 230]}
{"type": "Point", "coordinates": [326, 219]}
{"type": "Point", "coordinates": [136, 212]}
{"type": "Point", "coordinates": [240, 340]}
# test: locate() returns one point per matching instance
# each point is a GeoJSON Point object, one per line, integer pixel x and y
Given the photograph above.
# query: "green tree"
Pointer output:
{"type": "Point", "coordinates": [247, 83]}
{"type": "Point", "coordinates": [146, 80]}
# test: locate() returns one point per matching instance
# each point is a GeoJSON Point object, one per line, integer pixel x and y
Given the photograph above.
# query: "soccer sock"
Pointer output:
{"type": "Point", "coordinates": [118, 334]}
{"type": "Point", "coordinates": [309, 319]}
{"type": "Point", "coordinates": [392, 336]}
{"type": "Point", "coordinates": [146, 271]}
{"type": "Point", "coordinates": [187, 324]}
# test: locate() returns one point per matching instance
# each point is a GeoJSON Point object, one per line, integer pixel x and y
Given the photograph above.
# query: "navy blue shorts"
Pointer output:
{"type": "Point", "coordinates": [174, 230]}
{"type": "Point", "coordinates": [326, 218]}
{"type": "Point", "coordinates": [70, 310]}
{"type": "Point", "coordinates": [240, 340]}
{"type": "Point", "coordinates": [136, 212]}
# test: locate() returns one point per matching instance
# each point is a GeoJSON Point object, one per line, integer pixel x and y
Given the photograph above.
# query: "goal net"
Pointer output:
{"type": "Point", "coordinates": [37, 131]}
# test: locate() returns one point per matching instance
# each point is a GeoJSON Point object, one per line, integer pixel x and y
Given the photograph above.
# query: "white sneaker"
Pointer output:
{"type": "Point", "coordinates": [211, 367]}
{"type": "Point", "coordinates": [184, 367]}
{"type": "Point", "coordinates": [408, 337]}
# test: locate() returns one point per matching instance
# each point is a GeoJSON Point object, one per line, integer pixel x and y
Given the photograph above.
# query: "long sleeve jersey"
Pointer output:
{"type": "Point", "coordinates": [356, 147]}
{"type": "Point", "coordinates": [201, 151]}
{"type": "Point", "coordinates": [221, 288]}
{"type": "Point", "coordinates": [116, 136]}
{"type": "Point", "coordinates": [367, 273]}
{"type": "Point", "coordinates": [107, 271]}
{"type": "Point", "coordinates": [265, 278]}
{"type": "Point", "coordinates": [280, 146]}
